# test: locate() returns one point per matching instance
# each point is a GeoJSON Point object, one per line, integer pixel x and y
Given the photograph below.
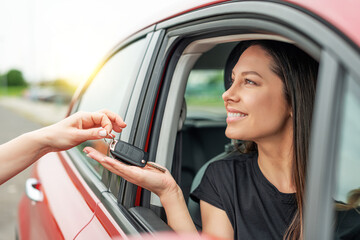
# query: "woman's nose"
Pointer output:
{"type": "Point", "coordinates": [225, 95]}
{"type": "Point", "coordinates": [229, 94]}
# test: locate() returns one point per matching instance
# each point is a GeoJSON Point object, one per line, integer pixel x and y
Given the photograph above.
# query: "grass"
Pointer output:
{"type": "Point", "coordinates": [12, 91]}
{"type": "Point", "coordinates": [210, 101]}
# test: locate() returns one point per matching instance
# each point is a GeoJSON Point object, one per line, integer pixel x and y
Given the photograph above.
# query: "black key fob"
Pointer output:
{"type": "Point", "coordinates": [128, 153]}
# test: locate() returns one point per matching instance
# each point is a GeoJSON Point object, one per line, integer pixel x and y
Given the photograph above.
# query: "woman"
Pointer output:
{"type": "Point", "coordinates": [21, 152]}
{"type": "Point", "coordinates": [258, 195]}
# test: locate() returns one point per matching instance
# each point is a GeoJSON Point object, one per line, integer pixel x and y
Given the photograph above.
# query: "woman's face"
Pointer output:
{"type": "Point", "coordinates": [255, 103]}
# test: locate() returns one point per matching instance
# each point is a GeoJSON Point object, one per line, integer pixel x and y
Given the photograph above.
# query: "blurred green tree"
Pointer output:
{"type": "Point", "coordinates": [13, 78]}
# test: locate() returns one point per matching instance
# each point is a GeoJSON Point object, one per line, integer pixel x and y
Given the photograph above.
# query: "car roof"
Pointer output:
{"type": "Point", "coordinates": [343, 15]}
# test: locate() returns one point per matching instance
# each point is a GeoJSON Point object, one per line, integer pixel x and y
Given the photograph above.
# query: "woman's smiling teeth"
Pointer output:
{"type": "Point", "coordinates": [235, 115]}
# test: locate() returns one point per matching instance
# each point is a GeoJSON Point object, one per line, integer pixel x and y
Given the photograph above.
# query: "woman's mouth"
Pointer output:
{"type": "Point", "coordinates": [235, 116]}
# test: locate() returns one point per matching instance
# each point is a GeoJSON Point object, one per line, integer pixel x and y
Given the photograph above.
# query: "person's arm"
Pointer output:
{"type": "Point", "coordinates": [21, 152]}
{"type": "Point", "coordinates": [215, 221]}
{"type": "Point", "coordinates": [162, 184]}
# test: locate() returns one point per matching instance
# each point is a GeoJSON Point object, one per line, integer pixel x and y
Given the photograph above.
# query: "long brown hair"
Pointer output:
{"type": "Point", "coordinates": [298, 72]}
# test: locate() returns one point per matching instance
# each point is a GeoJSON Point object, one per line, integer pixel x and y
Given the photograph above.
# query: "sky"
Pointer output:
{"type": "Point", "coordinates": [50, 39]}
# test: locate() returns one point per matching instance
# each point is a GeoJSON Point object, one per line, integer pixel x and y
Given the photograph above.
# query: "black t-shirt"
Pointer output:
{"type": "Point", "coordinates": [347, 224]}
{"type": "Point", "coordinates": [256, 209]}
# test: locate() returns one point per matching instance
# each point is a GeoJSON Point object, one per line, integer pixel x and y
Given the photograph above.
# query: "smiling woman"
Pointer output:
{"type": "Point", "coordinates": [255, 95]}
{"type": "Point", "coordinates": [271, 89]}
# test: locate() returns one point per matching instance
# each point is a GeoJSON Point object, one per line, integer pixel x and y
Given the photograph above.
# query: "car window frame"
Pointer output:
{"type": "Point", "coordinates": [175, 39]}
{"type": "Point", "coordinates": [134, 112]}
{"type": "Point", "coordinates": [333, 76]}
{"type": "Point", "coordinates": [313, 32]}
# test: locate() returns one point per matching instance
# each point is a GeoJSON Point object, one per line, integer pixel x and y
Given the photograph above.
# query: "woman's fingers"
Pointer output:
{"type": "Point", "coordinates": [117, 121]}
{"type": "Point", "coordinates": [104, 118]}
{"type": "Point", "coordinates": [97, 119]}
{"type": "Point", "coordinates": [117, 167]}
{"type": "Point", "coordinates": [82, 126]}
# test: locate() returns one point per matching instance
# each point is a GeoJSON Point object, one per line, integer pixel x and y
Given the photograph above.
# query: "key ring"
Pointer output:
{"type": "Point", "coordinates": [109, 143]}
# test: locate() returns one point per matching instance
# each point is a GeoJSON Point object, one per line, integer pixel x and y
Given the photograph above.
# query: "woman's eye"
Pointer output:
{"type": "Point", "coordinates": [231, 81]}
{"type": "Point", "coordinates": [248, 81]}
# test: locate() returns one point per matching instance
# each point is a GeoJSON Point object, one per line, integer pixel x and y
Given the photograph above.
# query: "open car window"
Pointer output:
{"type": "Point", "coordinates": [203, 134]}
{"type": "Point", "coordinates": [188, 141]}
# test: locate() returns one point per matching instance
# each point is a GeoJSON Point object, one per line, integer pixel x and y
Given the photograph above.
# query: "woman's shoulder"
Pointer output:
{"type": "Point", "coordinates": [237, 159]}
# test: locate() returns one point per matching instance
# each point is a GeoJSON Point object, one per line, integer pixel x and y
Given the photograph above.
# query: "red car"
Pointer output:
{"type": "Point", "coordinates": [166, 81]}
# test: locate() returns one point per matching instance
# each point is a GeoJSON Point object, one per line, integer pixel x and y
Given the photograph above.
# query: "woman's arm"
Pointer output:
{"type": "Point", "coordinates": [162, 184]}
{"type": "Point", "coordinates": [215, 221]}
{"type": "Point", "coordinates": [21, 152]}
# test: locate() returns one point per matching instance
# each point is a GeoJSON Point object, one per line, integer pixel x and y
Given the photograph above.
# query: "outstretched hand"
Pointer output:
{"type": "Point", "coordinates": [82, 126]}
{"type": "Point", "coordinates": [21, 152]}
{"type": "Point", "coordinates": [160, 183]}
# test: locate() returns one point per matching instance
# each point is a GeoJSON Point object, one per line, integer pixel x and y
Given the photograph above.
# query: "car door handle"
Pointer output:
{"type": "Point", "coordinates": [31, 190]}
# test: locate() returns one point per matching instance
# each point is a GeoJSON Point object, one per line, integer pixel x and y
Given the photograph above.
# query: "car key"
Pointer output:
{"type": "Point", "coordinates": [130, 154]}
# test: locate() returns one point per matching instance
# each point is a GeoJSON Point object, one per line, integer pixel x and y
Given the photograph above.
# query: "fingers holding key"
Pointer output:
{"type": "Point", "coordinates": [117, 122]}
{"type": "Point", "coordinates": [104, 119]}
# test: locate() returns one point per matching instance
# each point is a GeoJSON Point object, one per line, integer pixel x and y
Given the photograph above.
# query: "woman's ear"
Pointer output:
{"type": "Point", "coordinates": [290, 111]}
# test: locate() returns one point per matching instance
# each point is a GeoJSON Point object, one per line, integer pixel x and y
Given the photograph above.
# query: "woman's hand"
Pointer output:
{"type": "Point", "coordinates": [80, 127]}
{"type": "Point", "coordinates": [162, 184]}
{"type": "Point", "coordinates": [21, 152]}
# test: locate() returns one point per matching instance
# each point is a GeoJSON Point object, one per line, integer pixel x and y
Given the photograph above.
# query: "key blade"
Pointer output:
{"type": "Point", "coordinates": [150, 164]}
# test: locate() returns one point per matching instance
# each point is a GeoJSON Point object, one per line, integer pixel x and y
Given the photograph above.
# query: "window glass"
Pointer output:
{"type": "Point", "coordinates": [205, 85]}
{"type": "Point", "coordinates": [347, 193]}
{"type": "Point", "coordinates": [111, 89]}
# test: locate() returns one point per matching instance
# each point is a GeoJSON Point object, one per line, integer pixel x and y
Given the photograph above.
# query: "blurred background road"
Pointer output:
{"type": "Point", "coordinates": [17, 116]}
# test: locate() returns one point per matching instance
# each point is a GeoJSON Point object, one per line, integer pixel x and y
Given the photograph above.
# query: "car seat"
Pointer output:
{"type": "Point", "coordinates": [193, 206]}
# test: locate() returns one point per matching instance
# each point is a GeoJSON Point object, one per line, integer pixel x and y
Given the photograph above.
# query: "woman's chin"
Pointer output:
{"type": "Point", "coordinates": [234, 134]}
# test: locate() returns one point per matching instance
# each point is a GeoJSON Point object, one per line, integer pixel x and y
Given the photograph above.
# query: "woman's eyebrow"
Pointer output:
{"type": "Point", "coordinates": [246, 73]}
{"type": "Point", "coordinates": [251, 72]}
